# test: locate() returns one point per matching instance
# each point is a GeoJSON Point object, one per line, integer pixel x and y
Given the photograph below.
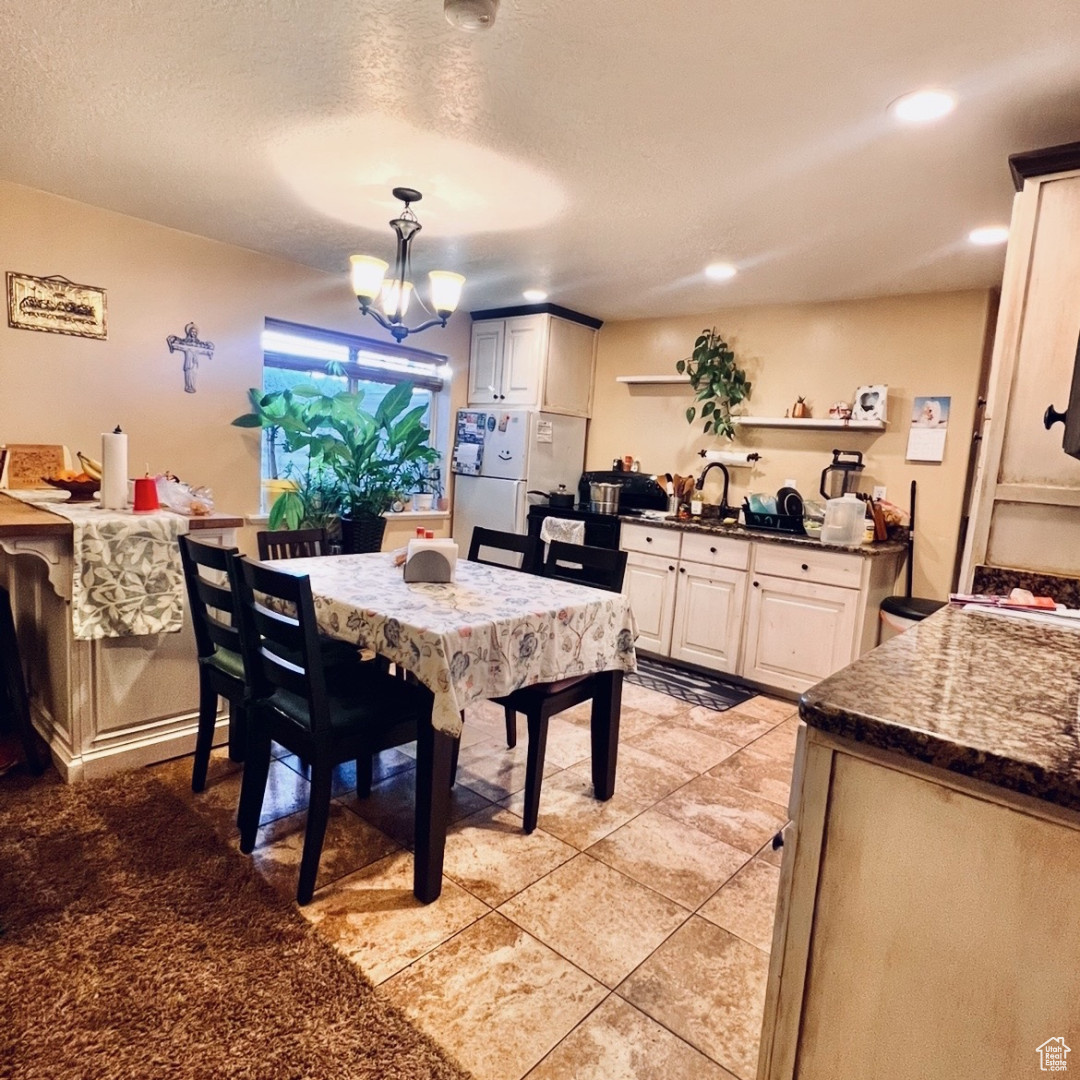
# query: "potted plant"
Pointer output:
{"type": "Point", "coordinates": [717, 381]}
{"type": "Point", "coordinates": [800, 410]}
{"type": "Point", "coordinates": [372, 456]}
{"type": "Point", "coordinates": [314, 500]}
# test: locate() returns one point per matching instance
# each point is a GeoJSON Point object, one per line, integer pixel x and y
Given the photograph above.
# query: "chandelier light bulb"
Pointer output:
{"type": "Point", "coordinates": [367, 276]}
{"type": "Point", "coordinates": [445, 290]}
{"type": "Point", "coordinates": [395, 298]}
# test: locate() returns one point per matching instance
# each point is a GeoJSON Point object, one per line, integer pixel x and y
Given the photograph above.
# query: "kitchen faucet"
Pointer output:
{"type": "Point", "coordinates": [705, 472]}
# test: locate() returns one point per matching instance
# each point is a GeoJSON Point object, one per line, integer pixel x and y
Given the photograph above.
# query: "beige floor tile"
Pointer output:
{"type": "Point", "coordinates": [746, 905]}
{"type": "Point", "coordinates": [570, 811]}
{"type": "Point", "coordinates": [391, 806]}
{"type": "Point", "coordinates": [726, 811]}
{"type": "Point", "coordinates": [493, 770]}
{"type": "Point", "coordinates": [596, 917]}
{"type": "Point", "coordinates": [286, 793]}
{"type": "Point", "coordinates": [769, 708]}
{"type": "Point", "coordinates": [650, 701]}
{"type": "Point", "coordinates": [567, 743]}
{"type": "Point", "coordinates": [683, 746]}
{"type": "Point", "coordinates": [781, 740]}
{"type": "Point", "coordinates": [488, 854]}
{"type": "Point", "coordinates": [730, 726]}
{"type": "Point", "coordinates": [386, 764]}
{"type": "Point", "coordinates": [708, 987]}
{"type": "Point", "coordinates": [757, 770]}
{"type": "Point", "coordinates": [677, 860]}
{"type": "Point", "coordinates": [494, 997]}
{"type": "Point", "coordinates": [639, 775]}
{"type": "Point", "coordinates": [632, 721]}
{"type": "Point", "coordinates": [350, 843]}
{"type": "Point", "coordinates": [619, 1042]}
{"type": "Point", "coordinates": [373, 918]}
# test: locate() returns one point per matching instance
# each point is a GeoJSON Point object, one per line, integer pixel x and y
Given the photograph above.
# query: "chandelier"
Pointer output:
{"type": "Point", "coordinates": [370, 283]}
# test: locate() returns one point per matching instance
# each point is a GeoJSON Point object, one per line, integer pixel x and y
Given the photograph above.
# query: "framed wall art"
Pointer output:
{"type": "Point", "coordinates": [871, 403]}
{"type": "Point", "coordinates": [55, 305]}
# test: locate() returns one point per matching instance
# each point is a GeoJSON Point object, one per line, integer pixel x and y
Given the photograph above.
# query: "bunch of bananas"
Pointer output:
{"type": "Point", "coordinates": [91, 467]}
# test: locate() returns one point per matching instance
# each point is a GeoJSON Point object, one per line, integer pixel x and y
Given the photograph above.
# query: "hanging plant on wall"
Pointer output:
{"type": "Point", "coordinates": [717, 381]}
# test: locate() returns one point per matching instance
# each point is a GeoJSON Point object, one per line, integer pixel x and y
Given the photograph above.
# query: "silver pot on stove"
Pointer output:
{"type": "Point", "coordinates": [604, 498]}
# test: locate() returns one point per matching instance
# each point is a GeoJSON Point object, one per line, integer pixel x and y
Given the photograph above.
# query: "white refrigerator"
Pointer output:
{"type": "Point", "coordinates": [500, 455]}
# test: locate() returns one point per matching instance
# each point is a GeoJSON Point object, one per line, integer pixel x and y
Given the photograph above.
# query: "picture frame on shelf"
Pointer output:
{"type": "Point", "coordinates": [871, 402]}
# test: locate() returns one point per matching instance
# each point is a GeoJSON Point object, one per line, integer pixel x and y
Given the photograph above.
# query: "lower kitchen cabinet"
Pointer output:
{"type": "Point", "coordinates": [797, 632]}
{"type": "Point", "coordinates": [650, 585]}
{"type": "Point", "coordinates": [709, 602]}
{"type": "Point", "coordinates": [783, 615]}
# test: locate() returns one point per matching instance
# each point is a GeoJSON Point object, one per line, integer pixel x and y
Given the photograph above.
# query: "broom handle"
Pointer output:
{"type": "Point", "coordinates": [911, 542]}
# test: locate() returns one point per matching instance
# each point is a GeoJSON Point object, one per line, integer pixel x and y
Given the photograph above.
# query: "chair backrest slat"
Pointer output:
{"type": "Point", "coordinates": [210, 600]}
{"type": "Point", "coordinates": [279, 636]}
{"type": "Point", "coordinates": [602, 568]}
{"type": "Point", "coordinates": [292, 543]}
{"type": "Point", "coordinates": [528, 547]}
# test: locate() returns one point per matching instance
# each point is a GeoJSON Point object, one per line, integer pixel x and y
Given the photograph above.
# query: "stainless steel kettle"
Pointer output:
{"type": "Point", "coordinates": [842, 474]}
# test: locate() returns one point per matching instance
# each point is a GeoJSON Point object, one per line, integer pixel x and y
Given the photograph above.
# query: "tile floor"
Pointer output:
{"type": "Point", "coordinates": [626, 939]}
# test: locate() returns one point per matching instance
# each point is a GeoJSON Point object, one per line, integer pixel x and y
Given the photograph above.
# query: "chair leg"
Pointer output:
{"type": "Point", "coordinates": [317, 816]}
{"type": "Point", "coordinates": [253, 788]}
{"type": "Point", "coordinates": [534, 767]}
{"type": "Point", "coordinates": [237, 730]}
{"type": "Point", "coordinates": [364, 767]}
{"type": "Point", "coordinates": [204, 739]}
{"type": "Point", "coordinates": [454, 754]}
{"type": "Point", "coordinates": [511, 727]}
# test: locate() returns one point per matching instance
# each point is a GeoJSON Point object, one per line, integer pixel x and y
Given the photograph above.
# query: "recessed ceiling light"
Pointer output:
{"type": "Point", "coordinates": [535, 296]}
{"type": "Point", "coordinates": [720, 271]}
{"type": "Point", "coordinates": [989, 235]}
{"type": "Point", "coordinates": [923, 106]}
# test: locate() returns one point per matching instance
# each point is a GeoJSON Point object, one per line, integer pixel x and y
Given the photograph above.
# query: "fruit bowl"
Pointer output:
{"type": "Point", "coordinates": [79, 489]}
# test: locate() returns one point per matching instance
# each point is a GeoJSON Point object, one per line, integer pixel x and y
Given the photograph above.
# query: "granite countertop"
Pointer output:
{"type": "Point", "coordinates": [741, 532]}
{"type": "Point", "coordinates": [993, 697]}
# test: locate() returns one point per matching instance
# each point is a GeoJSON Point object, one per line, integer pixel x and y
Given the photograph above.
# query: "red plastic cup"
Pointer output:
{"type": "Point", "coordinates": [146, 497]}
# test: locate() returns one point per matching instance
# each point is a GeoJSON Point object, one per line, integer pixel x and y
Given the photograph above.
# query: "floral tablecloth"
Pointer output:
{"type": "Point", "coordinates": [490, 632]}
{"type": "Point", "coordinates": [127, 578]}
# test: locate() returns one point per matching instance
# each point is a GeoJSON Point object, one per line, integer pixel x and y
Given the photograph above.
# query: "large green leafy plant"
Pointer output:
{"type": "Point", "coordinates": [717, 381]}
{"type": "Point", "coordinates": [374, 457]}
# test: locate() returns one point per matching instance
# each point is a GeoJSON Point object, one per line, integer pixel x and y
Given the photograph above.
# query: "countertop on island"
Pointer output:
{"type": "Point", "coordinates": [741, 532]}
{"type": "Point", "coordinates": [19, 518]}
{"type": "Point", "coordinates": [990, 696]}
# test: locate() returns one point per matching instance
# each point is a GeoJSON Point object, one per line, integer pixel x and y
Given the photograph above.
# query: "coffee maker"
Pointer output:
{"type": "Point", "coordinates": [842, 474]}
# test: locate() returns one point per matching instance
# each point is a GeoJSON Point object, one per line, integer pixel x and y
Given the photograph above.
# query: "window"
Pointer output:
{"type": "Point", "coordinates": [293, 354]}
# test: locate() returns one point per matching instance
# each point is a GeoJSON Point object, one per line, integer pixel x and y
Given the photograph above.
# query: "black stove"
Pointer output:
{"type": "Point", "coordinates": [638, 492]}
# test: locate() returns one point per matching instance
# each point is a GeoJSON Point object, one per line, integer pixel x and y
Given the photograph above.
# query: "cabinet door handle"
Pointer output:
{"type": "Point", "coordinates": [757, 584]}
{"type": "Point", "coordinates": [805, 566]}
{"type": "Point", "coordinates": [682, 569]}
{"type": "Point", "coordinates": [713, 550]}
{"type": "Point", "coordinates": [648, 539]}
{"type": "Point", "coordinates": [671, 567]}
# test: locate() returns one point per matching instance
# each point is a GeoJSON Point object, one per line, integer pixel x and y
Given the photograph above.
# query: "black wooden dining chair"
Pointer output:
{"type": "Point", "coordinates": [292, 543]}
{"type": "Point", "coordinates": [487, 540]}
{"type": "Point", "coordinates": [325, 716]}
{"type": "Point", "coordinates": [602, 568]}
{"type": "Point", "coordinates": [213, 610]}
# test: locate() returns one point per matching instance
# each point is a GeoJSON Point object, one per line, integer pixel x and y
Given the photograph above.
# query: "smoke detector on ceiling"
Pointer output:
{"type": "Point", "coordinates": [470, 14]}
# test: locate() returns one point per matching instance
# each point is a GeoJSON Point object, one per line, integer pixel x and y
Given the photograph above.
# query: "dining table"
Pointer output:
{"type": "Point", "coordinates": [489, 632]}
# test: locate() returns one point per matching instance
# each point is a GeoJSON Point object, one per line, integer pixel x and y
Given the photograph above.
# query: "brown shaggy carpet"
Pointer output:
{"type": "Point", "coordinates": [137, 945]}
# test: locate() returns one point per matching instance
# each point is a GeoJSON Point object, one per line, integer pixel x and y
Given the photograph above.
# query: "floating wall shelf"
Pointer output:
{"type": "Point", "coordinates": [652, 378]}
{"type": "Point", "coordinates": [808, 423]}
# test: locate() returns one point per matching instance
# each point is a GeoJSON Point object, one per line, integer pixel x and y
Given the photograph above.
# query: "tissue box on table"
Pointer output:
{"type": "Point", "coordinates": [431, 560]}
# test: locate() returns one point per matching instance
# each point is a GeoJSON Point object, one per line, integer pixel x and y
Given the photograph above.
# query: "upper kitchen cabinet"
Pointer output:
{"type": "Point", "coordinates": [540, 355]}
{"type": "Point", "coordinates": [1026, 496]}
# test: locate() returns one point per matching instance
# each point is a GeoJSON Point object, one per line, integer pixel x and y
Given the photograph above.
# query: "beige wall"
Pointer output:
{"type": "Point", "coordinates": [62, 389]}
{"type": "Point", "coordinates": [930, 344]}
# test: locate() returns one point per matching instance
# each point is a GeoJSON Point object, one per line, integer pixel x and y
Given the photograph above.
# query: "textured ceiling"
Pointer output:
{"type": "Point", "coordinates": [605, 150]}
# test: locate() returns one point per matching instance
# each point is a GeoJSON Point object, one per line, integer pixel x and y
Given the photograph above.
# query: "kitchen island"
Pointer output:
{"type": "Point", "coordinates": [777, 610]}
{"type": "Point", "coordinates": [927, 914]}
{"type": "Point", "coordinates": [101, 703]}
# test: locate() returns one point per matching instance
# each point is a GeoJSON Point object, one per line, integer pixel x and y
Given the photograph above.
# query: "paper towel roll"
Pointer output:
{"type": "Point", "coordinates": [114, 470]}
{"type": "Point", "coordinates": [732, 457]}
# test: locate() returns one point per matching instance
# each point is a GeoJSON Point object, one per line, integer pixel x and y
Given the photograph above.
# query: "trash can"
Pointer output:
{"type": "Point", "coordinates": [900, 613]}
